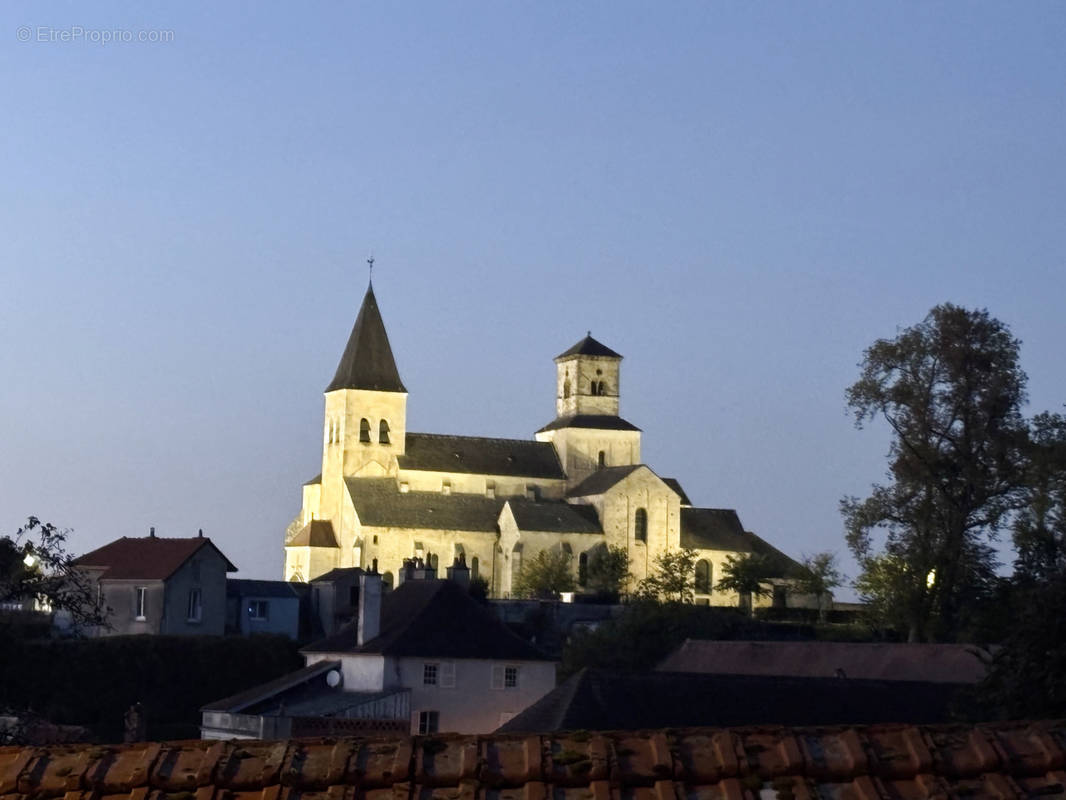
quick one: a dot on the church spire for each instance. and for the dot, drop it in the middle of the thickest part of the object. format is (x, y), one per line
(367, 362)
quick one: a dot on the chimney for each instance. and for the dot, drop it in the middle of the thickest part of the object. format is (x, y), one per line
(369, 606)
(459, 572)
(151, 532)
(201, 533)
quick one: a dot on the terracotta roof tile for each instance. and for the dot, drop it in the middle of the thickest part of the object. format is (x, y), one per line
(1007, 760)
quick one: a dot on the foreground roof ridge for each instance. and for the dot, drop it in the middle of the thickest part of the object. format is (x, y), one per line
(1007, 760)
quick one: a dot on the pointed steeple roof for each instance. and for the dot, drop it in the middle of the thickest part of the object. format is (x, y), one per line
(589, 347)
(367, 362)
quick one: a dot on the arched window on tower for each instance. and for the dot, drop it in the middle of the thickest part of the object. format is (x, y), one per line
(474, 564)
(364, 430)
(566, 388)
(383, 432)
(601, 389)
(592, 387)
(640, 526)
(602, 461)
(703, 577)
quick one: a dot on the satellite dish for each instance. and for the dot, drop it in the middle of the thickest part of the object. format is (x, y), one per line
(333, 678)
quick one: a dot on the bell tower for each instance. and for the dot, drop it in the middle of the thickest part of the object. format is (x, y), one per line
(366, 410)
(587, 431)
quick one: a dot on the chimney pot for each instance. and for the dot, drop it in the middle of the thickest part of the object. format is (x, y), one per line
(151, 531)
(369, 624)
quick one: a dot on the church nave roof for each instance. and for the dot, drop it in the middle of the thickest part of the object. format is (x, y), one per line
(434, 452)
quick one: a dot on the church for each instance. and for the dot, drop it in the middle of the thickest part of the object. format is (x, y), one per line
(386, 494)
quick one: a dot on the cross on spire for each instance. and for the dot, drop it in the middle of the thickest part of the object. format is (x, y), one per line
(370, 261)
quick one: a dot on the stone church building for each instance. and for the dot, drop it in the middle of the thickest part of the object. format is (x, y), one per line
(386, 494)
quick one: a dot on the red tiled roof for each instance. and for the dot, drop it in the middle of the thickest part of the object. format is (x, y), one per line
(1008, 760)
(146, 558)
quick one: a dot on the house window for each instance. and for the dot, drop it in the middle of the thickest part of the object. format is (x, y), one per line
(140, 602)
(428, 722)
(640, 526)
(439, 673)
(195, 610)
(703, 577)
(383, 432)
(259, 610)
(364, 430)
(504, 676)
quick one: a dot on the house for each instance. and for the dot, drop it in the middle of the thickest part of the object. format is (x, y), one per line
(256, 606)
(425, 656)
(884, 661)
(602, 700)
(386, 494)
(999, 760)
(158, 585)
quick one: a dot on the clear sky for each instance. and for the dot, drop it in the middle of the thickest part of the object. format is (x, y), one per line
(739, 197)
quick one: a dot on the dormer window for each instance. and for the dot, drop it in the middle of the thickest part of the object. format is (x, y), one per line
(383, 432)
(364, 430)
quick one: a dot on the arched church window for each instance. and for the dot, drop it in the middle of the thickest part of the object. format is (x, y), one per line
(603, 458)
(432, 560)
(601, 388)
(374, 566)
(474, 564)
(582, 569)
(703, 577)
(383, 432)
(566, 388)
(386, 580)
(364, 430)
(594, 388)
(640, 526)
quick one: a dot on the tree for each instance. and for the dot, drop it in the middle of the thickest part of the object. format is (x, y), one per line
(820, 576)
(545, 576)
(951, 389)
(673, 579)
(608, 570)
(746, 575)
(1040, 527)
(35, 565)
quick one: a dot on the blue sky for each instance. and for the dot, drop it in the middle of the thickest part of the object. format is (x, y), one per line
(738, 197)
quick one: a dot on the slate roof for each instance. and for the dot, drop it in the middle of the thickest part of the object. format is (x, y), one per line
(316, 533)
(437, 619)
(249, 697)
(379, 503)
(554, 516)
(603, 422)
(434, 452)
(599, 700)
(146, 557)
(888, 661)
(675, 484)
(367, 362)
(602, 479)
(247, 587)
(720, 529)
(906, 762)
(337, 573)
(588, 347)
